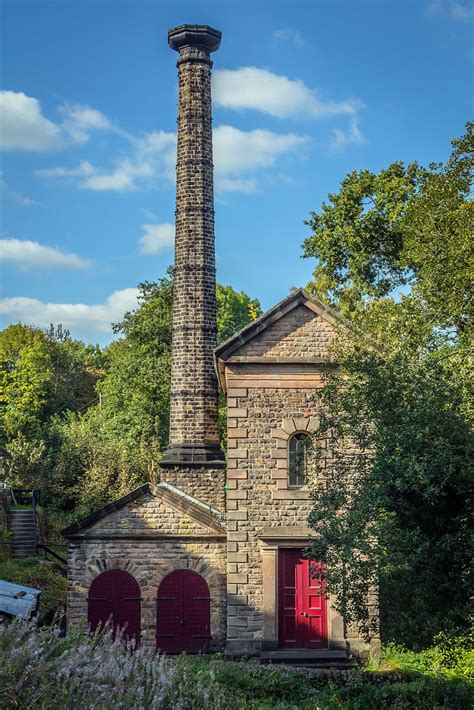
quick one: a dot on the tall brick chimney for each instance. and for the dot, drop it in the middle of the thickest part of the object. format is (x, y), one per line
(194, 435)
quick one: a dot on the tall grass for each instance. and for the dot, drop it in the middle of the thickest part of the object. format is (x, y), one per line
(41, 669)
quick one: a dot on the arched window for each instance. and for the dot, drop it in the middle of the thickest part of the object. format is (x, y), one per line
(298, 450)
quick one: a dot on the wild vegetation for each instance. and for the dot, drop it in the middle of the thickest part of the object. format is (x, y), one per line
(40, 667)
(86, 425)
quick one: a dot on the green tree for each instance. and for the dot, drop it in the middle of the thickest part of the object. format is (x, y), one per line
(26, 372)
(43, 373)
(407, 228)
(135, 393)
(391, 503)
(234, 311)
(94, 457)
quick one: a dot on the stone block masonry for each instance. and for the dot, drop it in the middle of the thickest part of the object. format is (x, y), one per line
(194, 432)
(149, 563)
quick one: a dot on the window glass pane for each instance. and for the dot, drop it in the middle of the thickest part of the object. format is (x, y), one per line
(298, 448)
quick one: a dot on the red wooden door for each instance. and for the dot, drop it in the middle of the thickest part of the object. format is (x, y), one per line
(183, 613)
(115, 595)
(302, 607)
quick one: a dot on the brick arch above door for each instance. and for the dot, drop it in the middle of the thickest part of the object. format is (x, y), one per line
(96, 566)
(214, 580)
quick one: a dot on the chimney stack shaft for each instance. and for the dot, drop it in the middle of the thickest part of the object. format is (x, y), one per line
(194, 434)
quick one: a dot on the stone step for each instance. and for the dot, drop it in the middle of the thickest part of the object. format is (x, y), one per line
(305, 658)
(23, 531)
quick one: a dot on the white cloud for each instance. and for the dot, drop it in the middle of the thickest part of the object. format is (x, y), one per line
(28, 253)
(83, 169)
(156, 237)
(239, 152)
(247, 185)
(24, 127)
(462, 13)
(74, 316)
(236, 152)
(153, 156)
(260, 89)
(455, 10)
(79, 121)
(122, 178)
(289, 35)
(341, 138)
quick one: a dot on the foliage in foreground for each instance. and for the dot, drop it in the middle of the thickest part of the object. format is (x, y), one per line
(41, 669)
(452, 657)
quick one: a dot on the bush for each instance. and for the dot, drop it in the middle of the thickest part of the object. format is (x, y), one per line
(40, 669)
(451, 657)
(4, 545)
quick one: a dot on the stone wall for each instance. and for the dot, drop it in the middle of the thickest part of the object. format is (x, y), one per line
(300, 333)
(148, 515)
(257, 473)
(149, 538)
(205, 484)
(268, 401)
(149, 562)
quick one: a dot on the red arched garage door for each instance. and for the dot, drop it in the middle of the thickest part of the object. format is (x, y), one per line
(183, 614)
(115, 595)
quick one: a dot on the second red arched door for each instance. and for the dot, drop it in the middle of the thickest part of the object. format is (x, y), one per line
(115, 595)
(183, 614)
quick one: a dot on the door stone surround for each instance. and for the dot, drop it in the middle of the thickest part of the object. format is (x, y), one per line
(271, 540)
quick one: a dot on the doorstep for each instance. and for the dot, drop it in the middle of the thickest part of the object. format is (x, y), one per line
(302, 654)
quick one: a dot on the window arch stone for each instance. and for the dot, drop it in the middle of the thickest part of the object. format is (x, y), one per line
(282, 490)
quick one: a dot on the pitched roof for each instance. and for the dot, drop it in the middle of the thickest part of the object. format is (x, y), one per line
(297, 298)
(170, 495)
(300, 297)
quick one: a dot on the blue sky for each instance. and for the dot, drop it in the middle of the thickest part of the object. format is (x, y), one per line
(304, 93)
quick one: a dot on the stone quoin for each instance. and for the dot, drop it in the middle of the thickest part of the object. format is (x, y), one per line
(237, 522)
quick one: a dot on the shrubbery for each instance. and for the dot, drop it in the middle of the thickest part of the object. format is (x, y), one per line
(40, 669)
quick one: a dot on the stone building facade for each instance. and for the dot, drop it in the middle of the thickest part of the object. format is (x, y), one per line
(216, 550)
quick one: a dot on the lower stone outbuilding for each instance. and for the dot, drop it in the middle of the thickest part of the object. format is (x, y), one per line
(154, 534)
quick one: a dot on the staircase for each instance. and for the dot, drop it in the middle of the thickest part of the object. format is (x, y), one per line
(23, 532)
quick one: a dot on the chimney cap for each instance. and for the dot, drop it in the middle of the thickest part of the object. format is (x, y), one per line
(194, 36)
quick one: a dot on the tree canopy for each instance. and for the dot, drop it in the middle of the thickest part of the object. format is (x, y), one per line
(392, 500)
(405, 232)
(86, 425)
